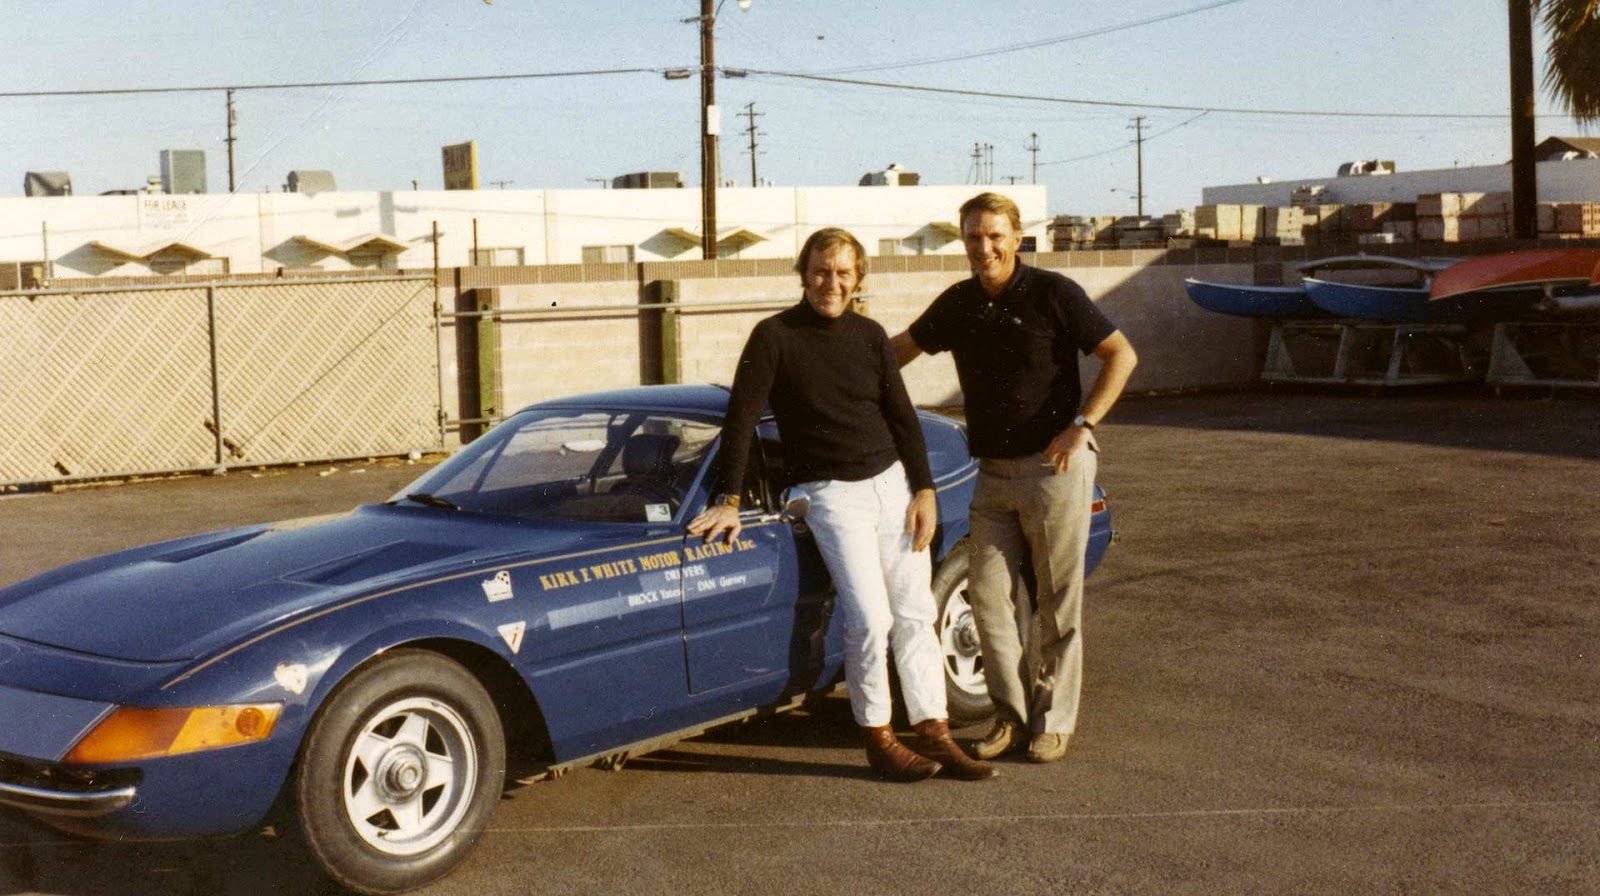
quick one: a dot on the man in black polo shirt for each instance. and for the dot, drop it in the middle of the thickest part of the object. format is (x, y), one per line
(1016, 332)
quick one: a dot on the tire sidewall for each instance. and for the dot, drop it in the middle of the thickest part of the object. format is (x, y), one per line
(319, 773)
(965, 706)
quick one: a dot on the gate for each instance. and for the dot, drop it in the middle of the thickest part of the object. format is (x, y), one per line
(102, 382)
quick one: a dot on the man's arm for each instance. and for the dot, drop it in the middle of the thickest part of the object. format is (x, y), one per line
(1117, 360)
(904, 347)
(752, 383)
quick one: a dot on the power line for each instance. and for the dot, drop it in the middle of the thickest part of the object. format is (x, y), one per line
(1170, 107)
(1033, 45)
(455, 79)
(1121, 147)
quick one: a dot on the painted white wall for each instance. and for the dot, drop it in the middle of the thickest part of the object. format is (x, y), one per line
(1576, 180)
(256, 233)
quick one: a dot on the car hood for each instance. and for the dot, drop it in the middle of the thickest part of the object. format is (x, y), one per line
(183, 599)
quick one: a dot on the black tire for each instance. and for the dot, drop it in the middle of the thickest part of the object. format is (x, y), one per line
(399, 773)
(966, 695)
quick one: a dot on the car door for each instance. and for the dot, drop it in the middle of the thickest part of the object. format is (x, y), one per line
(756, 610)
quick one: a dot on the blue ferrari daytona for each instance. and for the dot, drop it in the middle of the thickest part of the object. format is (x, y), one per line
(365, 676)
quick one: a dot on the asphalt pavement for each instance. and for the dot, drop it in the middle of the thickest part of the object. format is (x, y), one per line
(1345, 643)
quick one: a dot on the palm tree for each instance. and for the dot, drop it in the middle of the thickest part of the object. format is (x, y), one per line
(1572, 64)
(1572, 74)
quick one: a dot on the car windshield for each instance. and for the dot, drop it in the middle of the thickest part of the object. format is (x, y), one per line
(566, 464)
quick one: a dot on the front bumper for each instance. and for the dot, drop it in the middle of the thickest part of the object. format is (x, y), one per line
(51, 790)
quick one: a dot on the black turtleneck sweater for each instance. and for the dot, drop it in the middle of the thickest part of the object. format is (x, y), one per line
(837, 395)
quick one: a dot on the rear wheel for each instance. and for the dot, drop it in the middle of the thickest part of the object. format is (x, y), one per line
(966, 695)
(399, 773)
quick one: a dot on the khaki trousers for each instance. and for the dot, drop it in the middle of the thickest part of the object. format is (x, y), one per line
(1021, 510)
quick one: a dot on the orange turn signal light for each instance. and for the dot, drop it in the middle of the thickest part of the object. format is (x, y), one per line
(131, 733)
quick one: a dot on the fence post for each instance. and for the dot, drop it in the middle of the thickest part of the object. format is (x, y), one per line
(671, 336)
(478, 360)
(216, 380)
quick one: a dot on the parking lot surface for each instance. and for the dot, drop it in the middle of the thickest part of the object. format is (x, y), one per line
(1344, 644)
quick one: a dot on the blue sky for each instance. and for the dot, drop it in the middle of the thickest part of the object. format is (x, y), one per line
(1409, 57)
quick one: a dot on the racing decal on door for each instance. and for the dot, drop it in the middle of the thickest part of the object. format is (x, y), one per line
(512, 633)
(498, 588)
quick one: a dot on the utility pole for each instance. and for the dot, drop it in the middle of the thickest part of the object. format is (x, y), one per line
(1033, 150)
(977, 164)
(1524, 173)
(231, 120)
(709, 129)
(751, 114)
(1138, 157)
(988, 149)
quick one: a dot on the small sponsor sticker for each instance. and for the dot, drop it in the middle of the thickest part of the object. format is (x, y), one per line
(658, 513)
(292, 677)
(512, 633)
(498, 588)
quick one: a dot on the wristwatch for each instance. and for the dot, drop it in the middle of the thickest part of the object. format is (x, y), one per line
(1083, 421)
(726, 501)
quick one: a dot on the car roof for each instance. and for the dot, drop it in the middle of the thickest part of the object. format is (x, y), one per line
(692, 399)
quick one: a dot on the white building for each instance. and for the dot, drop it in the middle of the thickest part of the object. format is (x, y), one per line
(1574, 180)
(133, 235)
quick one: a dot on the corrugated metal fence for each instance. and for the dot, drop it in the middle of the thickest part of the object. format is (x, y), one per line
(98, 382)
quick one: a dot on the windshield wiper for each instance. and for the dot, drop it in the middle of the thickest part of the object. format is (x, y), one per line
(432, 501)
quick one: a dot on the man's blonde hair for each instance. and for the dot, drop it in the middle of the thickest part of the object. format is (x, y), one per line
(826, 239)
(993, 203)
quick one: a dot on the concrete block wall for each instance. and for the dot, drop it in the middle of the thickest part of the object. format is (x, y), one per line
(613, 342)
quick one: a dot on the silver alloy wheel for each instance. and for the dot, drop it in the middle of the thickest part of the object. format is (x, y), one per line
(409, 774)
(958, 636)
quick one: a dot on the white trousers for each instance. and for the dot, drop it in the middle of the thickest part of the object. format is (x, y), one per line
(885, 594)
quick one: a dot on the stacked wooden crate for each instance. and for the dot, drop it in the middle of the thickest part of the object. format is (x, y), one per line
(1323, 225)
(1283, 226)
(1569, 220)
(1227, 221)
(1138, 232)
(1178, 224)
(1463, 217)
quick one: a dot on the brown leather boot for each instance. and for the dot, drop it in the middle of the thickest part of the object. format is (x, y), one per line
(937, 744)
(890, 758)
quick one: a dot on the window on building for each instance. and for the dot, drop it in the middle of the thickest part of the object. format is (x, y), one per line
(187, 264)
(908, 246)
(607, 254)
(502, 256)
(371, 261)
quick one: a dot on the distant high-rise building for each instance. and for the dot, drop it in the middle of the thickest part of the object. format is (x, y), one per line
(183, 170)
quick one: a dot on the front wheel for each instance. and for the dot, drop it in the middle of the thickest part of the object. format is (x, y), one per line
(400, 772)
(966, 694)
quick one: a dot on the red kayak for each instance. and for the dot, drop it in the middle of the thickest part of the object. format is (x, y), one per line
(1534, 267)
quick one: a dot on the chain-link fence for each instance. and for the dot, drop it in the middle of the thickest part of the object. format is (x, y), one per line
(98, 382)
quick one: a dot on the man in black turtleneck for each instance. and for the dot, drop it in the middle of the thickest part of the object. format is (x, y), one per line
(853, 443)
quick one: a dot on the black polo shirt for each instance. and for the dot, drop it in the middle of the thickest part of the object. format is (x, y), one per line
(1016, 356)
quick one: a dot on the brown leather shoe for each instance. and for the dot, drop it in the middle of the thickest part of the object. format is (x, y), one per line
(1004, 737)
(936, 744)
(890, 758)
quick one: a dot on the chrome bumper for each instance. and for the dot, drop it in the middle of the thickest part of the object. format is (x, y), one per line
(66, 803)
